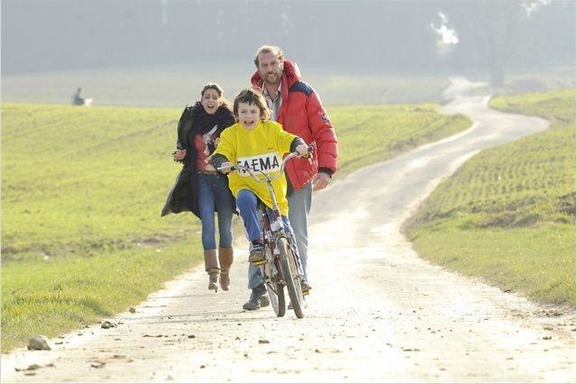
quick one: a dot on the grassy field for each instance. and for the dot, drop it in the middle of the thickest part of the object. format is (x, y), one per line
(82, 190)
(508, 214)
(175, 86)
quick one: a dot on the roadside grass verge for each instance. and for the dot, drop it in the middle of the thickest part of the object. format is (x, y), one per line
(508, 214)
(61, 294)
(82, 190)
(537, 263)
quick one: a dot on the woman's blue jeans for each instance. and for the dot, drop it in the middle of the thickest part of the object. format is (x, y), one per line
(213, 193)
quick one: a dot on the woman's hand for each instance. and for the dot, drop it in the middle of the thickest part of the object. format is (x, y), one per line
(179, 154)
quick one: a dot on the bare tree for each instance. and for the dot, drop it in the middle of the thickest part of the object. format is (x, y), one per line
(492, 29)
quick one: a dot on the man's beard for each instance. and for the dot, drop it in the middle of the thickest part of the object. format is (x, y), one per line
(275, 78)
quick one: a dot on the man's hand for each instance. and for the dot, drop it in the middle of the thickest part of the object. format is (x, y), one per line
(320, 181)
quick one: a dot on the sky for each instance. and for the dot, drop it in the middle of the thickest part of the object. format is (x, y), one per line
(356, 36)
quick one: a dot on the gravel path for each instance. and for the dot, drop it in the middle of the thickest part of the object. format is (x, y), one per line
(377, 313)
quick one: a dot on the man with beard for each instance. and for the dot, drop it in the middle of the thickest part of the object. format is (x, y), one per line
(297, 107)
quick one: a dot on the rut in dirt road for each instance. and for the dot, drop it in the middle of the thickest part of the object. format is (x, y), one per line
(377, 312)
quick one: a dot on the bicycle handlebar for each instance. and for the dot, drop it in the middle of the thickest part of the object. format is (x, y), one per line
(267, 178)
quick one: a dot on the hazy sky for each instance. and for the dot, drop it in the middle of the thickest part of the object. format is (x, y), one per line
(339, 36)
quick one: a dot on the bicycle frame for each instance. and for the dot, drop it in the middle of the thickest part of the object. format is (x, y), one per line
(282, 268)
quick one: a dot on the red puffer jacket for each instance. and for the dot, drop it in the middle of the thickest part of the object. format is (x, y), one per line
(302, 114)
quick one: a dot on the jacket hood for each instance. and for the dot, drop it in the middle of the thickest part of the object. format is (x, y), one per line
(291, 72)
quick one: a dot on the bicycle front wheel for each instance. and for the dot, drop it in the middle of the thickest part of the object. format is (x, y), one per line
(291, 276)
(274, 289)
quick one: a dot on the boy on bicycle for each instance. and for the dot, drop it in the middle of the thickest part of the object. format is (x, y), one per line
(257, 142)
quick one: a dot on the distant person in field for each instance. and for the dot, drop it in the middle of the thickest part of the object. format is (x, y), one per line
(199, 188)
(77, 99)
(298, 108)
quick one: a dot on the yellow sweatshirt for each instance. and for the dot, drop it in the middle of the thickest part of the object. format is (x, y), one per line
(261, 149)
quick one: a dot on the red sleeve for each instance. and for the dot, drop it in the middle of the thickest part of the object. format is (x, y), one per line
(323, 134)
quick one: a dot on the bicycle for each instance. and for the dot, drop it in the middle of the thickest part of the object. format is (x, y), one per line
(282, 268)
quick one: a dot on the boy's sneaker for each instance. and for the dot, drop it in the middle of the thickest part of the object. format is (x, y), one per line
(305, 287)
(256, 256)
(258, 298)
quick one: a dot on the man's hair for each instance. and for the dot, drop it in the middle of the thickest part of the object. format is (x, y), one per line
(269, 49)
(252, 97)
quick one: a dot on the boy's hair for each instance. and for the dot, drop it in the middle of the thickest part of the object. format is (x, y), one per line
(269, 49)
(253, 97)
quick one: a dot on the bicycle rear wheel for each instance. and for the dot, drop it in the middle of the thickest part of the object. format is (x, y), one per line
(291, 276)
(277, 299)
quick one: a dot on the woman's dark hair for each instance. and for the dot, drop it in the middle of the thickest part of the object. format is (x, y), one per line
(253, 97)
(214, 86)
(223, 100)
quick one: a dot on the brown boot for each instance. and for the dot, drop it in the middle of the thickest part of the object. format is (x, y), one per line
(225, 256)
(211, 267)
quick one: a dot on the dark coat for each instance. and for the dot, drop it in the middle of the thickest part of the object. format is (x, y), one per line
(183, 195)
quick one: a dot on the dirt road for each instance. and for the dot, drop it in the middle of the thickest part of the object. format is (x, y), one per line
(377, 313)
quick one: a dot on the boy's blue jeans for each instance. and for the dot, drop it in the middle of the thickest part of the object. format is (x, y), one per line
(213, 192)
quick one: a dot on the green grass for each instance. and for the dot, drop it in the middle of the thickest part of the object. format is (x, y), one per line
(508, 214)
(364, 90)
(58, 295)
(171, 86)
(369, 134)
(82, 190)
(537, 262)
(75, 181)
